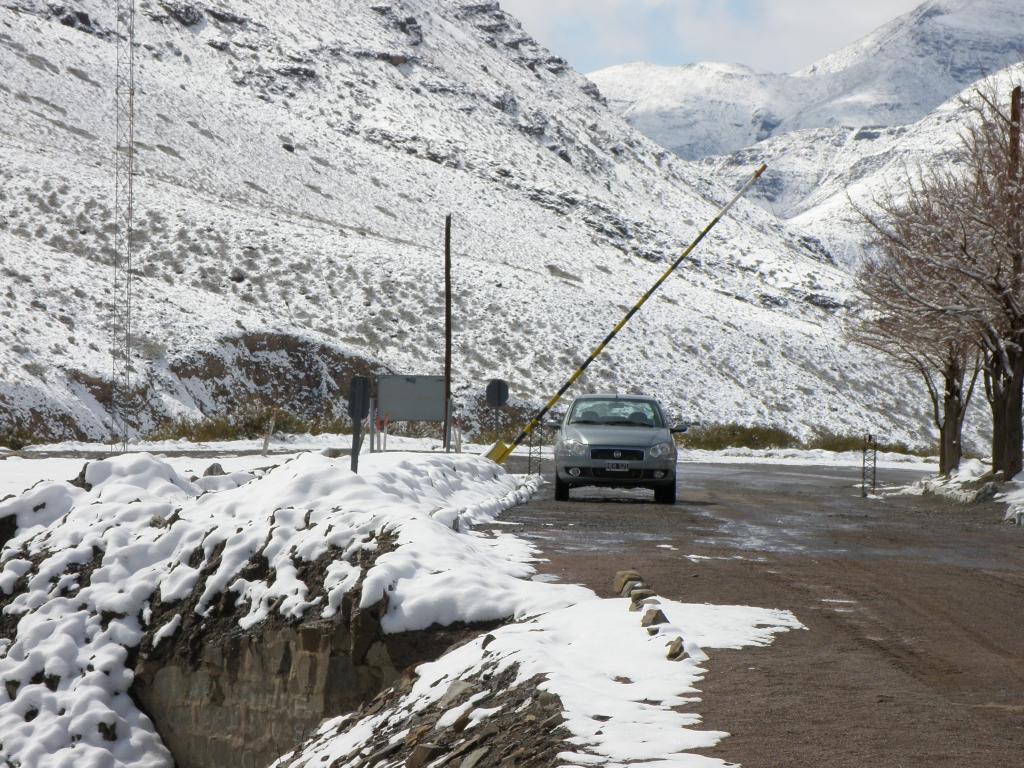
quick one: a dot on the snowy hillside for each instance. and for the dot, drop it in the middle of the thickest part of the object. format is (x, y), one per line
(894, 76)
(295, 166)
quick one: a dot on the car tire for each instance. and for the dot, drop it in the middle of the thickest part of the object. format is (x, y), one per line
(561, 489)
(665, 494)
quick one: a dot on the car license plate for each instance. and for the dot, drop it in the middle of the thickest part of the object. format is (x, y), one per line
(617, 466)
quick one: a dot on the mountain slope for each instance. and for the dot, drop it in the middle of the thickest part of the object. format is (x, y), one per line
(894, 76)
(295, 166)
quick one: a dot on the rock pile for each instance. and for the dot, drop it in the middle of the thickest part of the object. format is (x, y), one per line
(631, 584)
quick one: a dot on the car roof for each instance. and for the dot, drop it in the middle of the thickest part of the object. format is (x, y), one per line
(613, 396)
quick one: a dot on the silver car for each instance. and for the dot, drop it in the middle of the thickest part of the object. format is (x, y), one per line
(620, 441)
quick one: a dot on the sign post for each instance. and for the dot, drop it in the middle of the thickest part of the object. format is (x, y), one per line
(447, 332)
(358, 409)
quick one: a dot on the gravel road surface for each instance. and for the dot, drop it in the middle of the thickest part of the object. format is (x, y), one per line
(914, 654)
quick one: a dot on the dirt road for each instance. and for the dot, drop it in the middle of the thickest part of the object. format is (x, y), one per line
(914, 654)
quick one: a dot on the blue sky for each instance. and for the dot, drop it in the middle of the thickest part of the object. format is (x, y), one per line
(768, 35)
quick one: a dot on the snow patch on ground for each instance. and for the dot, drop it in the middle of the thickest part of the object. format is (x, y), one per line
(18, 473)
(801, 457)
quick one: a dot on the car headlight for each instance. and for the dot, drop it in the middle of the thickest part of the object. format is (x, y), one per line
(572, 448)
(661, 450)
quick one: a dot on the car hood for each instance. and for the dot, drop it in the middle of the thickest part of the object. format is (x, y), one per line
(593, 434)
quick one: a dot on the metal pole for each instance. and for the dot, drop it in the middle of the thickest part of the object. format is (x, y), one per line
(864, 469)
(447, 331)
(874, 467)
(270, 431)
(357, 443)
(500, 451)
(1015, 126)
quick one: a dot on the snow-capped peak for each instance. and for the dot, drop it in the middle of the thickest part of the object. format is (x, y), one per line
(893, 76)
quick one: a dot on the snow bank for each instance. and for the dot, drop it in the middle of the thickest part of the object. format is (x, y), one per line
(964, 486)
(18, 473)
(804, 457)
(280, 442)
(86, 564)
(968, 485)
(971, 474)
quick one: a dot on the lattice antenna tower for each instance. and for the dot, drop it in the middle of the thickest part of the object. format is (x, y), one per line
(124, 214)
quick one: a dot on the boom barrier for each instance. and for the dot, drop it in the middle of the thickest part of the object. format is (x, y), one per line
(500, 451)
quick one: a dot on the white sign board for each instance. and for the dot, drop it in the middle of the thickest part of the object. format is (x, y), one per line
(411, 398)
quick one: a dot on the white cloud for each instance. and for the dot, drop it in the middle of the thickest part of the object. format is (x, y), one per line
(772, 35)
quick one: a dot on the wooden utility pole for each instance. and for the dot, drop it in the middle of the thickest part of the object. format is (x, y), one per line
(124, 215)
(447, 331)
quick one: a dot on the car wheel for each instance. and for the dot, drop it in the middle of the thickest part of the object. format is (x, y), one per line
(561, 489)
(665, 494)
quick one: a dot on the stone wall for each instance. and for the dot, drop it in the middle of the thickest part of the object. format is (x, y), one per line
(221, 697)
(243, 699)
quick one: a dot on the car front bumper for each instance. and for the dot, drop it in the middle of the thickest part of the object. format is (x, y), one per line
(580, 470)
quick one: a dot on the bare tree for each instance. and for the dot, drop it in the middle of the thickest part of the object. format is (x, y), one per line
(994, 208)
(937, 345)
(951, 266)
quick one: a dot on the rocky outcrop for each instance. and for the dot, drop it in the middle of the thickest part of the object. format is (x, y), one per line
(252, 371)
(225, 697)
(527, 732)
(305, 378)
(241, 699)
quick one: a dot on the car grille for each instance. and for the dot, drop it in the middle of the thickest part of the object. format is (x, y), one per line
(625, 454)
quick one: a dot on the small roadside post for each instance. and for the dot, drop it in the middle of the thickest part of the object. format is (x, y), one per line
(358, 409)
(869, 466)
(372, 422)
(270, 431)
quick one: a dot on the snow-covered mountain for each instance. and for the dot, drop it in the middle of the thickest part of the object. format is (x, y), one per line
(296, 162)
(894, 76)
(821, 176)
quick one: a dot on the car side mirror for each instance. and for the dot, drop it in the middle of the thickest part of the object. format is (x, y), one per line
(679, 429)
(553, 423)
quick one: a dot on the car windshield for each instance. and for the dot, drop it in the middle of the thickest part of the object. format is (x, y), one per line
(626, 413)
